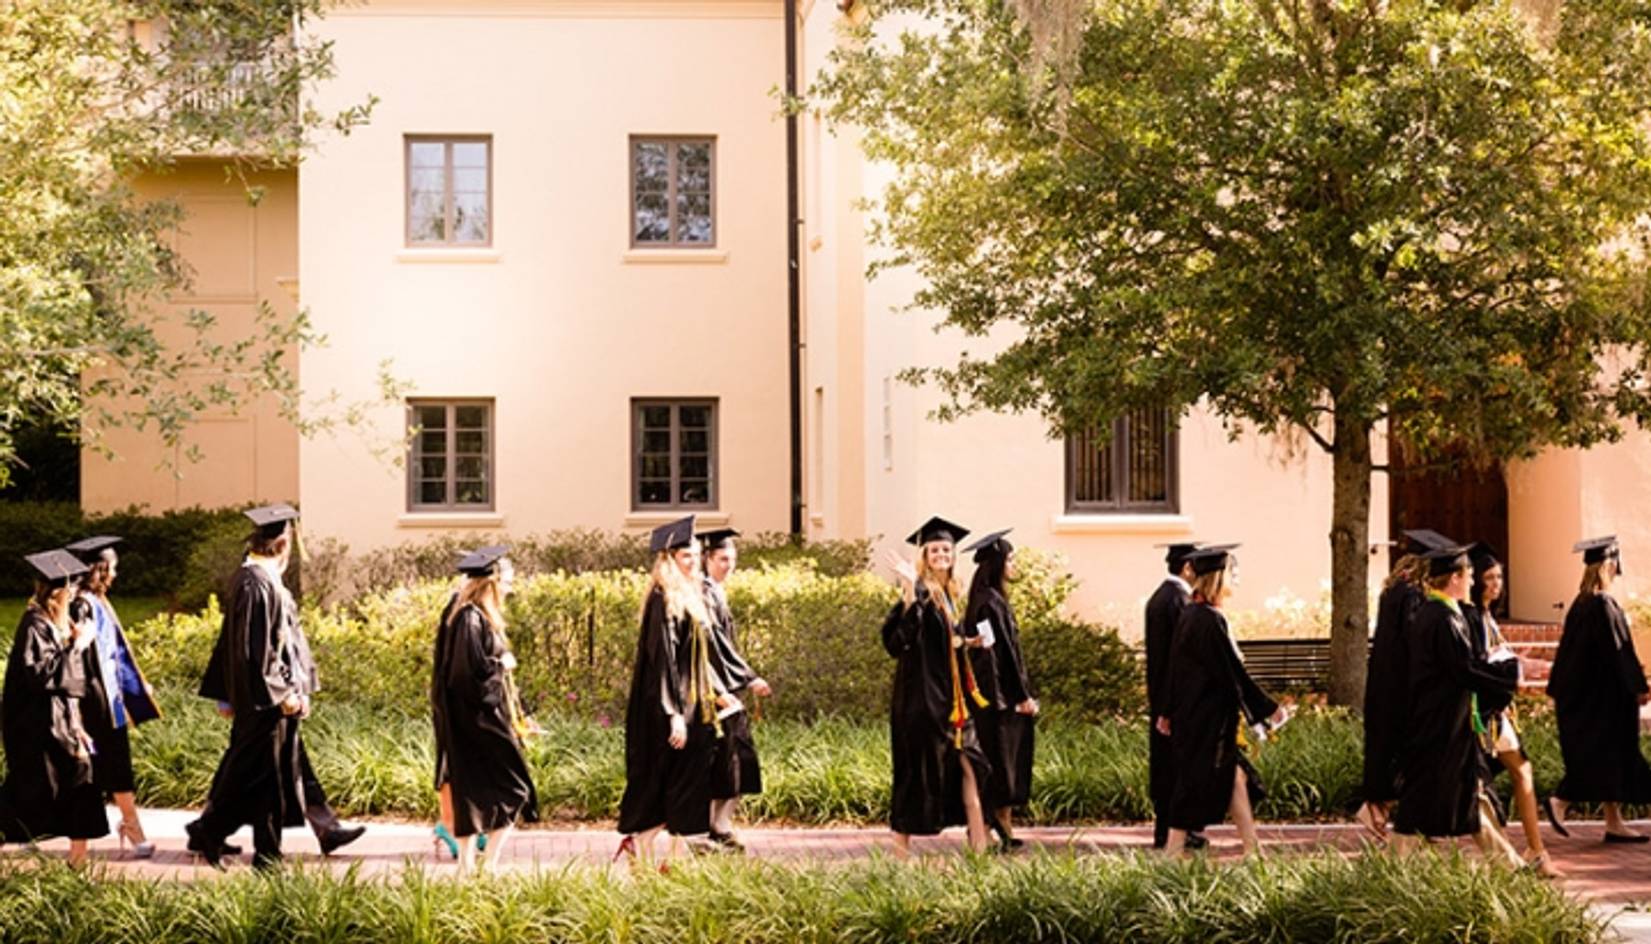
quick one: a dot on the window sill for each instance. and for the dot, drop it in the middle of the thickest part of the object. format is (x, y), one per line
(674, 256)
(483, 255)
(1129, 523)
(450, 519)
(653, 519)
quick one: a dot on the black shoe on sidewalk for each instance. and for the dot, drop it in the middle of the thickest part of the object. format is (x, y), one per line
(340, 837)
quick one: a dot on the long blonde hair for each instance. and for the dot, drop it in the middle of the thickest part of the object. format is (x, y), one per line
(1592, 580)
(1212, 587)
(1411, 569)
(683, 594)
(487, 595)
(53, 602)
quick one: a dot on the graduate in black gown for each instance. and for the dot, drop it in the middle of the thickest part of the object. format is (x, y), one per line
(1501, 738)
(1598, 686)
(129, 701)
(1441, 785)
(49, 789)
(737, 771)
(478, 719)
(1163, 614)
(671, 723)
(262, 675)
(940, 772)
(1006, 723)
(1210, 693)
(1387, 686)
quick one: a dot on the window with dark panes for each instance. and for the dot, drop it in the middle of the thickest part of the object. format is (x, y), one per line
(1132, 470)
(674, 456)
(672, 192)
(449, 191)
(451, 467)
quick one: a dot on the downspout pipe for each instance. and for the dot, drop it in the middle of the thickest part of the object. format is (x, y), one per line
(794, 285)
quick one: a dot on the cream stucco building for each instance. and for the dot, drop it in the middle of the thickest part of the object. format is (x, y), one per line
(566, 226)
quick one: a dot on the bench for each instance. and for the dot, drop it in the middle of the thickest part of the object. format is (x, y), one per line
(1278, 664)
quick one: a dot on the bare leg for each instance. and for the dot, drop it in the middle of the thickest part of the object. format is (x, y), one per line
(1614, 823)
(444, 797)
(467, 855)
(1175, 844)
(1405, 844)
(1005, 818)
(127, 804)
(972, 812)
(495, 847)
(1243, 816)
(902, 846)
(77, 852)
(1524, 797)
(722, 815)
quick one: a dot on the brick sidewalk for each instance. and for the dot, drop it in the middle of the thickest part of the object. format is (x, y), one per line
(1606, 875)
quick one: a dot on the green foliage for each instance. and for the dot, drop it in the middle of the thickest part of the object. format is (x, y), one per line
(1422, 216)
(164, 555)
(90, 103)
(1043, 898)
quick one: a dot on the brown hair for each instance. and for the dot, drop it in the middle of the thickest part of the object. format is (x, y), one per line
(1592, 580)
(53, 602)
(1411, 569)
(98, 580)
(1443, 580)
(1212, 587)
(265, 546)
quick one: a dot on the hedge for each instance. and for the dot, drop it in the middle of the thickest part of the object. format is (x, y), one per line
(177, 555)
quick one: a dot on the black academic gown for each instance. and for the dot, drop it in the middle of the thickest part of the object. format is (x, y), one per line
(737, 770)
(1164, 610)
(1209, 689)
(49, 788)
(260, 659)
(1596, 683)
(665, 786)
(927, 749)
(1387, 691)
(492, 787)
(1441, 770)
(438, 700)
(1006, 735)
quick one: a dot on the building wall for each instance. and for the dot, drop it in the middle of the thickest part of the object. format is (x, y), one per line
(559, 322)
(243, 254)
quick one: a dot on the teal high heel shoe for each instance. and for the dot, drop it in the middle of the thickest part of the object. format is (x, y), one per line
(481, 842)
(443, 837)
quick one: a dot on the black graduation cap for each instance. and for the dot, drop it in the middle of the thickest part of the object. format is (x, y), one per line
(1595, 550)
(90, 549)
(57, 568)
(1422, 540)
(1484, 555)
(669, 537)
(1175, 554)
(987, 541)
(937, 529)
(483, 562)
(1208, 560)
(1447, 560)
(271, 520)
(718, 538)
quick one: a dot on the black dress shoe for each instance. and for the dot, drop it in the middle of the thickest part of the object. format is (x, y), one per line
(1626, 838)
(727, 841)
(336, 839)
(212, 852)
(1548, 808)
(1196, 841)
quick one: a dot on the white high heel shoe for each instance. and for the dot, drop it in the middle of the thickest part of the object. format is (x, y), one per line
(130, 833)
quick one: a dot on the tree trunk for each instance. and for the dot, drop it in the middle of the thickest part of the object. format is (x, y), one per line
(1350, 562)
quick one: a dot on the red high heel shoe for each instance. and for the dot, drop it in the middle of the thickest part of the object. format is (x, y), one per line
(627, 848)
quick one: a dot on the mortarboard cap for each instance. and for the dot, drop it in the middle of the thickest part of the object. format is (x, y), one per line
(1422, 540)
(937, 529)
(1595, 550)
(1208, 560)
(1447, 560)
(988, 541)
(271, 520)
(1175, 554)
(56, 568)
(1484, 555)
(90, 549)
(483, 562)
(718, 538)
(669, 537)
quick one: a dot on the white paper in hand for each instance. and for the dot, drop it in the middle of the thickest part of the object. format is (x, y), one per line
(733, 707)
(984, 629)
(1501, 654)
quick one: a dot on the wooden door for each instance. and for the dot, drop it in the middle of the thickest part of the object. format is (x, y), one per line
(1457, 498)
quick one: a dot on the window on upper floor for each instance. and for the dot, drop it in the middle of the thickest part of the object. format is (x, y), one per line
(1135, 470)
(673, 454)
(450, 466)
(449, 190)
(673, 192)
